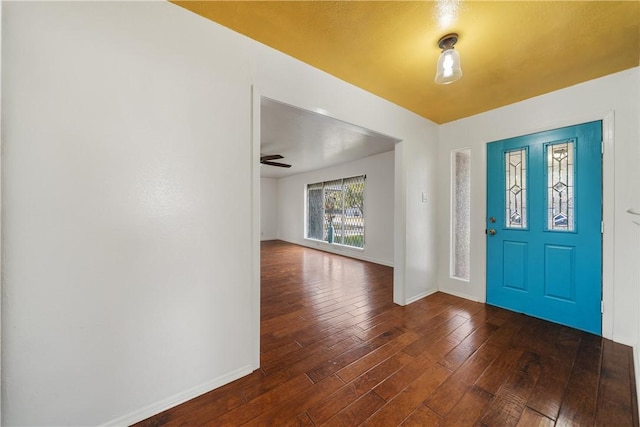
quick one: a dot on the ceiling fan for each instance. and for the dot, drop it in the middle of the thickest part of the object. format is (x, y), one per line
(267, 160)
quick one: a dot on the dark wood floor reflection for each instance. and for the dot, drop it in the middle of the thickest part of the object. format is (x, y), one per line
(337, 352)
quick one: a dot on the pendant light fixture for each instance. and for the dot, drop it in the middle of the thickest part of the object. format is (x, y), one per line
(448, 69)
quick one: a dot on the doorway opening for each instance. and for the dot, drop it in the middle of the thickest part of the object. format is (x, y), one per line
(319, 148)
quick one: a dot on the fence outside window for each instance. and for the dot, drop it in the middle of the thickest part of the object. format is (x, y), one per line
(335, 211)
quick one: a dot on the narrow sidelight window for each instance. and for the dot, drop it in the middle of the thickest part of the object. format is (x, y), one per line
(461, 214)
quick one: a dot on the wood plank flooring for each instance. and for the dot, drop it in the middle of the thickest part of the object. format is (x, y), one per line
(336, 351)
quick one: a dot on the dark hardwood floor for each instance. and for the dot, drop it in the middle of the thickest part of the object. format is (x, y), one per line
(336, 351)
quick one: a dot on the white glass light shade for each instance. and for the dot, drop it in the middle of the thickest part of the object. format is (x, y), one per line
(448, 69)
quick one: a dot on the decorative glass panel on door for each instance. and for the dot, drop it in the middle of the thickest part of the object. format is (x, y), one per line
(560, 186)
(516, 188)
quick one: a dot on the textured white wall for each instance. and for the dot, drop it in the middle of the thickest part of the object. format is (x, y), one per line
(419, 167)
(125, 231)
(636, 220)
(126, 238)
(612, 97)
(1, 201)
(268, 209)
(379, 189)
(127, 197)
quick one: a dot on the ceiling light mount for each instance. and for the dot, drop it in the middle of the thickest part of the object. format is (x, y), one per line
(447, 42)
(448, 69)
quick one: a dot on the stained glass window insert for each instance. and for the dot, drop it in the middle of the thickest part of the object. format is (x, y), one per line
(560, 186)
(516, 188)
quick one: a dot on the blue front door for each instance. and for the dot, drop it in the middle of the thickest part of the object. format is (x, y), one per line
(544, 216)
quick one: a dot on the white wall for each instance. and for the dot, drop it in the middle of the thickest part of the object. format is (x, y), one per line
(416, 261)
(268, 209)
(123, 283)
(378, 202)
(636, 220)
(1, 252)
(129, 204)
(612, 98)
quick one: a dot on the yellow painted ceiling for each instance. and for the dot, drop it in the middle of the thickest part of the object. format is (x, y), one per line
(510, 50)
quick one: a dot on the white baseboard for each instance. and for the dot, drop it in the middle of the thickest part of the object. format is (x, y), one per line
(636, 370)
(460, 295)
(339, 250)
(170, 402)
(420, 296)
(623, 340)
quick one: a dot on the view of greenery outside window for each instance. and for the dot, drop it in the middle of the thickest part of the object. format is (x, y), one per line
(335, 211)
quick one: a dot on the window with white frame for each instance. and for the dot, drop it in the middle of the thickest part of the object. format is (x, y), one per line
(335, 211)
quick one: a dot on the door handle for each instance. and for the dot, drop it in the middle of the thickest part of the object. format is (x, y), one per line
(491, 231)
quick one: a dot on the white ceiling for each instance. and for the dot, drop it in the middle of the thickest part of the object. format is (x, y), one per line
(310, 141)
